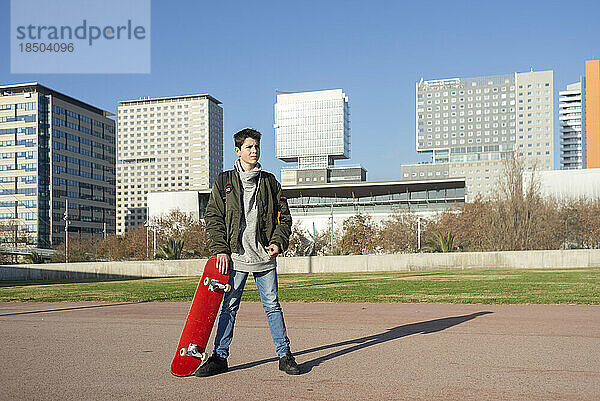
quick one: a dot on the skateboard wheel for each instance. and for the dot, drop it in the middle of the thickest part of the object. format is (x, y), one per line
(206, 281)
(183, 352)
(227, 288)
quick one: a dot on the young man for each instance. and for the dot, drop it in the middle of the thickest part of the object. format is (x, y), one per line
(249, 224)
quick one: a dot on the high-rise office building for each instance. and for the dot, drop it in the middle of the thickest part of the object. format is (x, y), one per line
(570, 116)
(54, 150)
(312, 129)
(579, 116)
(470, 125)
(165, 144)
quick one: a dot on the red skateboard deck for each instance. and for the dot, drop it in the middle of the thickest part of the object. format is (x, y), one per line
(191, 350)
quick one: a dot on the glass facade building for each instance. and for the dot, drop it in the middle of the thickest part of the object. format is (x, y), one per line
(53, 148)
(312, 128)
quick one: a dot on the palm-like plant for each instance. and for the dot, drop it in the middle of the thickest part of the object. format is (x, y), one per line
(171, 250)
(337, 251)
(441, 241)
(33, 258)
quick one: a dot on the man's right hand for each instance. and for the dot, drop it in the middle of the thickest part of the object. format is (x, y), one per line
(223, 260)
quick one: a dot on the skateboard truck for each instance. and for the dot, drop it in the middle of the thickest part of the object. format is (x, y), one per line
(192, 350)
(216, 285)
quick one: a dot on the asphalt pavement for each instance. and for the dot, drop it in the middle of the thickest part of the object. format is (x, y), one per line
(122, 351)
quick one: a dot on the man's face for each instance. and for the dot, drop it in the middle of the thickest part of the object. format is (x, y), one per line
(250, 151)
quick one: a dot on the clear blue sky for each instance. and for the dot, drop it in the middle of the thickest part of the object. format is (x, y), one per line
(240, 52)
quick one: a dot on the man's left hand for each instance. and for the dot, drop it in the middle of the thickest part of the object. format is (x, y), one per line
(272, 250)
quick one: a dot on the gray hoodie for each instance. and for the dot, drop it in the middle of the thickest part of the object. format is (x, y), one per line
(252, 256)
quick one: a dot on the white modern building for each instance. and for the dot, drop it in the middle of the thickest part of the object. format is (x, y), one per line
(161, 204)
(570, 115)
(324, 205)
(565, 185)
(470, 125)
(312, 129)
(165, 144)
(320, 206)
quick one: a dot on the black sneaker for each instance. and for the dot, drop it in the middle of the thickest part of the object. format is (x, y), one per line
(288, 364)
(213, 366)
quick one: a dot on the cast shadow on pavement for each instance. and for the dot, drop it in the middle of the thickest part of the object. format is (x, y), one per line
(72, 308)
(426, 327)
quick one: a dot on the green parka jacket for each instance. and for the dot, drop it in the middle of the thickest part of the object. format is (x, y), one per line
(224, 213)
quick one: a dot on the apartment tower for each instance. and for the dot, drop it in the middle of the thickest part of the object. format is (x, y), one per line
(469, 126)
(571, 117)
(165, 144)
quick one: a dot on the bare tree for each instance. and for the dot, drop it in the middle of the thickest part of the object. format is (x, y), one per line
(589, 216)
(12, 235)
(515, 210)
(82, 248)
(300, 241)
(328, 243)
(399, 233)
(359, 235)
(187, 228)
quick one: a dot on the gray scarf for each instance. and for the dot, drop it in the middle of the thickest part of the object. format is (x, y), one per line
(251, 256)
(248, 177)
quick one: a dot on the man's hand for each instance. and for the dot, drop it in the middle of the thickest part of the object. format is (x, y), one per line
(223, 263)
(272, 250)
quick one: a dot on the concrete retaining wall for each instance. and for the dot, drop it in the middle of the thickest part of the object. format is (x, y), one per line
(317, 264)
(436, 261)
(95, 270)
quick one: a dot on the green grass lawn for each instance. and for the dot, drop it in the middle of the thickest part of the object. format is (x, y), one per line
(575, 286)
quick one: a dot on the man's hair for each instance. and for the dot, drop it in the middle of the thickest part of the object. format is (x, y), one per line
(241, 136)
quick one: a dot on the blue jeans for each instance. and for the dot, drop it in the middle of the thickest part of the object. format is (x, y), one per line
(266, 282)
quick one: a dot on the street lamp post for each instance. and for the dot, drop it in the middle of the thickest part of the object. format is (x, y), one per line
(419, 232)
(154, 228)
(66, 218)
(147, 225)
(154, 243)
(331, 236)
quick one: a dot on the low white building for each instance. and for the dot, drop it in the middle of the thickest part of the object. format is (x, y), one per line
(188, 202)
(568, 184)
(322, 205)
